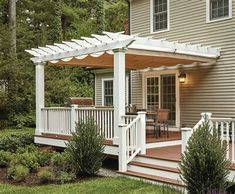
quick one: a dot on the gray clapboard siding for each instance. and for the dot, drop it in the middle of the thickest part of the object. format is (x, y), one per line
(207, 89)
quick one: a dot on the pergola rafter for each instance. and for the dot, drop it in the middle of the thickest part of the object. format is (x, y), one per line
(97, 45)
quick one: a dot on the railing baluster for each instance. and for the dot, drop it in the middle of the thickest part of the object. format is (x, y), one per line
(227, 138)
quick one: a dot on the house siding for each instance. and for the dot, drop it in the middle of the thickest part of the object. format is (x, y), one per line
(208, 89)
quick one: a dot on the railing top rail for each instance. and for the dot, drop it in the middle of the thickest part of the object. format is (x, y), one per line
(94, 108)
(56, 108)
(132, 122)
(129, 116)
(222, 119)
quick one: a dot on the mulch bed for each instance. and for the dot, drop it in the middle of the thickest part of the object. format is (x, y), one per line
(33, 180)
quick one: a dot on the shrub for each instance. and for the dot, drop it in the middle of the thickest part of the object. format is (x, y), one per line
(22, 120)
(85, 149)
(46, 175)
(60, 162)
(66, 177)
(13, 142)
(18, 172)
(44, 158)
(30, 149)
(26, 159)
(5, 158)
(204, 165)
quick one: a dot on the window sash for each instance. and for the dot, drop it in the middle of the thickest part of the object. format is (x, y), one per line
(160, 15)
(219, 9)
(108, 92)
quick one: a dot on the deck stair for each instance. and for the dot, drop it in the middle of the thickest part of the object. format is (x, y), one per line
(160, 170)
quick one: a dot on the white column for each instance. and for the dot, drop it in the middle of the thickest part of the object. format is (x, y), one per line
(119, 90)
(186, 133)
(122, 156)
(73, 117)
(142, 132)
(39, 69)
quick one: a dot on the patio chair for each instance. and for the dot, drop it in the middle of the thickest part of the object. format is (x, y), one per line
(161, 120)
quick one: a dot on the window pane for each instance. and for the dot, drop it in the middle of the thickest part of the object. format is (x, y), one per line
(108, 93)
(219, 9)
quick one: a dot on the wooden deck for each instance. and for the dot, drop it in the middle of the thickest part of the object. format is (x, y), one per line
(167, 153)
(173, 135)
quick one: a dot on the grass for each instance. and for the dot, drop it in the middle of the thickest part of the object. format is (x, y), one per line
(4, 132)
(96, 186)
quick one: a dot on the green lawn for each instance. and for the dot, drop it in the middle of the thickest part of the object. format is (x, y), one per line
(101, 185)
(16, 131)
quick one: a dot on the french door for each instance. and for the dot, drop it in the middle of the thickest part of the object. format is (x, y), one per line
(161, 93)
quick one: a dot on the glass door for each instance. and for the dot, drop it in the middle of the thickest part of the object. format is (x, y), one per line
(152, 98)
(161, 93)
(168, 96)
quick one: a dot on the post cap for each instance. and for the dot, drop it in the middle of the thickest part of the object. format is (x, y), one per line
(186, 129)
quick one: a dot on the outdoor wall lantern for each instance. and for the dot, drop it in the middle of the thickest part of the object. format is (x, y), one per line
(182, 77)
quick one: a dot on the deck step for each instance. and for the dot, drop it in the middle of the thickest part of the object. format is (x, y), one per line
(156, 167)
(153, 169)
(157, 161)
(154, 178)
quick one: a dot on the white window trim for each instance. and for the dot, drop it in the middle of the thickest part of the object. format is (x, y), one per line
(177, 85)
(103, 80)
(151, 18)
(219, 19)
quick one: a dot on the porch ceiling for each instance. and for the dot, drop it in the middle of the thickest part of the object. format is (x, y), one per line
(133, 61)
(141, 52)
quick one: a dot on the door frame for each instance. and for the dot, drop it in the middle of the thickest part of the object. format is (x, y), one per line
(156, 73)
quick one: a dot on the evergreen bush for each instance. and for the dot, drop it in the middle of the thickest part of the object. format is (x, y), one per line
(86, 149)
(204, 165)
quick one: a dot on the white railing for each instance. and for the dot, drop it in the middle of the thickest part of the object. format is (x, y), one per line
(226, 130)
(132, 133)
(102, 116)
(133, 139)
(63, 121)
(128, 118)
(56, 120)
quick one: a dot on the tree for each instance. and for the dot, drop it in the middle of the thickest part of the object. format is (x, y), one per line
(12, 25)
(204, 165)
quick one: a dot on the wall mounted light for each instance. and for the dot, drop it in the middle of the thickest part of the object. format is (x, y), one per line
(182, 77)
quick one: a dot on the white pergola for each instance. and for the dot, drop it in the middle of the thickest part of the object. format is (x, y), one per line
(119, 51)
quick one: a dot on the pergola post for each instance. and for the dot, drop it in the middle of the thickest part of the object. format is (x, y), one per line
(119, 91)
(39, 70)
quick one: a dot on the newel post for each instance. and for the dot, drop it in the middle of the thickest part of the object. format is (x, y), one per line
(39, 75)
(122, 152)
(73, 117)
(142, 132)
(186, 133)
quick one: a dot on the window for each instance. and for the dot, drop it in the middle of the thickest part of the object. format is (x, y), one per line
(160, 15)
(219, 9)
(108, 92)
(152, 94)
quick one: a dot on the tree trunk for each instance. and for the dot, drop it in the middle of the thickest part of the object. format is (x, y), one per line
(12, 26)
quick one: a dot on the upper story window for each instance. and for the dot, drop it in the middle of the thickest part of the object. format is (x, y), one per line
(219, 10)
(108, 92)
(160, 16)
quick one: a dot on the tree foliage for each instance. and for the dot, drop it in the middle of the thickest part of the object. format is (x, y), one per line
(204, 165)
(42, 22)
